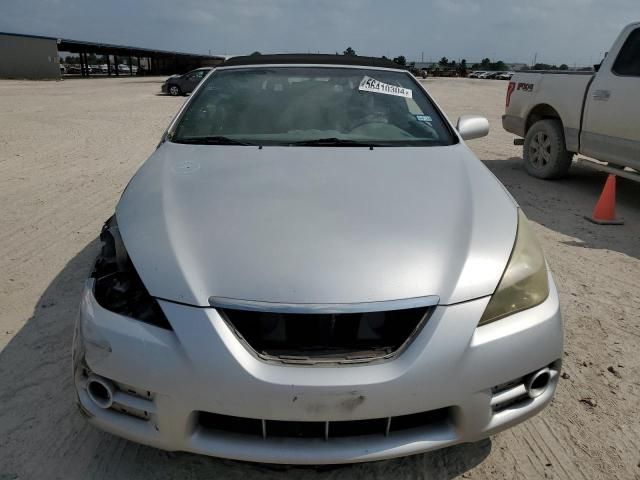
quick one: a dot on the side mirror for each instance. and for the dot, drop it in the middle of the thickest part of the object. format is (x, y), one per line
(472, 126)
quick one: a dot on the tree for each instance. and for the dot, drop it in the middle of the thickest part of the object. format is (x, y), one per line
(462, 68)
(401, 60)
(255, 53)
(564, 66)
(349, 52)
(499, 66)
(485, 63)
(444, 62)
(544, 66)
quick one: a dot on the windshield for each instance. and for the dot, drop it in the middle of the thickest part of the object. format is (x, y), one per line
(312, 106)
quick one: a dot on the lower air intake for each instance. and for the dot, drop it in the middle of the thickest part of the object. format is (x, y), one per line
(213, 422)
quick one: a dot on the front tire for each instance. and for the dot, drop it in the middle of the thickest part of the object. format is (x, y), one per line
(545, 152)
(174, 90)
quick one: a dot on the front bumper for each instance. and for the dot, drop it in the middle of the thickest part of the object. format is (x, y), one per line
(168, 376)
(164, 88)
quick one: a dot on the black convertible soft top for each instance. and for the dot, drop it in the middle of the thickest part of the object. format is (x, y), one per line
(312, 59)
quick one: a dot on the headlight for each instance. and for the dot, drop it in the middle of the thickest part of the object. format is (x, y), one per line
(524, 283)
(118, 287)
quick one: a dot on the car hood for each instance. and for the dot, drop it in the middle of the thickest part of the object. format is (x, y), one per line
(316, 225)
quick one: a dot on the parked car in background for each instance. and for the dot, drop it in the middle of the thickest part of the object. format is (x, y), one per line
(182, 84)
(417, 72)
(313, 268)
(562, 113)
(122, 68)
(476, 74)
(485, 75)
(504, 76)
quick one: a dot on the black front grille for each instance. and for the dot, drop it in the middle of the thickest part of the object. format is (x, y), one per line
(282, 428)
(214, 422)
(314, 337)
(353, 428)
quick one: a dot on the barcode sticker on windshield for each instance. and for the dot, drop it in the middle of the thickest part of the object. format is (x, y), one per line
(369, 84)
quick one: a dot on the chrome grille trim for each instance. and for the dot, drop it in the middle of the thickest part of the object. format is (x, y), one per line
(327, 308)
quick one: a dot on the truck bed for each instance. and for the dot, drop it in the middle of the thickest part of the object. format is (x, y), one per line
(536, 94)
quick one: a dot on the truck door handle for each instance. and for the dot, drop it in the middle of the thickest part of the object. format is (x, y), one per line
(602, 95)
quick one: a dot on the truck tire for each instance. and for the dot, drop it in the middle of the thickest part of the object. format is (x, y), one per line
(545, 152)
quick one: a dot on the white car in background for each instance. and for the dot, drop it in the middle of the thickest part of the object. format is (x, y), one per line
(504, 76)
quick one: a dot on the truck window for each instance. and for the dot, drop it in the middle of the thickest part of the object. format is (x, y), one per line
(628, 61)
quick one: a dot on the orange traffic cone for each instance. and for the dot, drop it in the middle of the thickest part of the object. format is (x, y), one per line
(605, 211)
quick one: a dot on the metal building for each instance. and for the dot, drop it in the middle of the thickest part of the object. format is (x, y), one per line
(28, 56)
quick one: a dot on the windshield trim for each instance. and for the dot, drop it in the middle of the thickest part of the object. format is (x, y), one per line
(455, 138)
(309, 65)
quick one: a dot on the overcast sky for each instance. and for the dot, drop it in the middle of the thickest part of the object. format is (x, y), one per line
(559, 31)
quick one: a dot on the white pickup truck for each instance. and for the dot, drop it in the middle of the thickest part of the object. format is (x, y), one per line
(560, 114)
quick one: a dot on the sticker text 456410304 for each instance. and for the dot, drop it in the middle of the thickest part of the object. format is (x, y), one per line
(369, 84)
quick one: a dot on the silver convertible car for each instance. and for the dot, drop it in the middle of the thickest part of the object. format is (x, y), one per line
(313, 268)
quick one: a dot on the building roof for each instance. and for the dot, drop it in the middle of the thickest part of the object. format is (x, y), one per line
(76, 46)
(311, 59)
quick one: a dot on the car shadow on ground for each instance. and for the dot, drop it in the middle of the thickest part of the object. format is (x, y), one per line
(561, 205)
(42, 434)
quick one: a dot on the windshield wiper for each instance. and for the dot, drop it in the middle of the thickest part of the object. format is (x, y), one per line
(332, 141)
(210, 140)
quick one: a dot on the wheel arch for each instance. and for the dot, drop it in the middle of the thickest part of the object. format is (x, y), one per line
(542, 111)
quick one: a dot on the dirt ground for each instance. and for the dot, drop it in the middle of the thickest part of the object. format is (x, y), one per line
(68, 148)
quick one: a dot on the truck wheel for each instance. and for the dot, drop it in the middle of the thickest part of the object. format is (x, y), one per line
(545, 152)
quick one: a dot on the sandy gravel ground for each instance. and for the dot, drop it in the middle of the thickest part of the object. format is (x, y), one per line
(67, 150)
